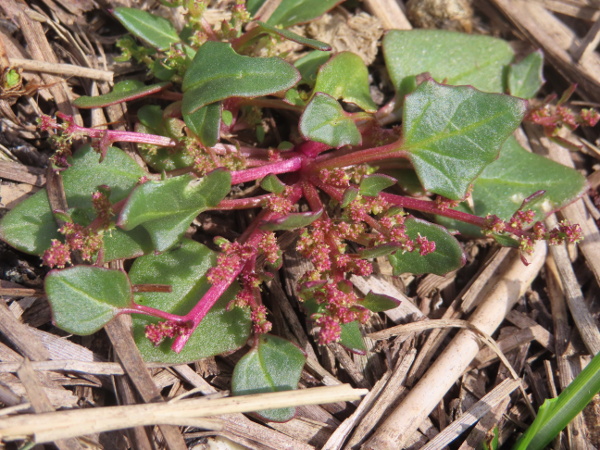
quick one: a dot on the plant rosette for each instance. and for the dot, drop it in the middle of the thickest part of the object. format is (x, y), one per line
(353, 180)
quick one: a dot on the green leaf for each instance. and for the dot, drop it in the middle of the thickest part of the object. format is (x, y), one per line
(351, 337)
(324, 120)
(85, 298)
(184, 269)
(379, 302)
(292, 221)
(292, 12)
(452, 133)
(271, 183)
(345, 77)
(205, 123)
(166, 208)
(11, 78)
(350, 195)
(217, 72)
(309, 65)
(513, 177)
(273, 365)
(555, 414)
(448, 254)
(154, 30)
(30, 226)
(121, 244)
(131, 92)
(525, 78)
(291, 36)
(372, 185)
(450, 57)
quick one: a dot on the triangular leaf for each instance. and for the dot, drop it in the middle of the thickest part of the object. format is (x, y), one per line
(273, 365)
(372, 185)
(184, 268)
(452, 133)
(205, 123)
(324, 120)
(345, 77)
(379, 302)
(292, 221)
(351, 337)
(85, 298)
(217, 72)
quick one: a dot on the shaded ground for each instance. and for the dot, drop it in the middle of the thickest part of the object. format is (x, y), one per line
(547, 337)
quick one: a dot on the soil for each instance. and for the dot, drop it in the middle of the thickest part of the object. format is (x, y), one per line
(422, 390)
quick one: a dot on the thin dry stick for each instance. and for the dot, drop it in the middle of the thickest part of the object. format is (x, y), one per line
(457, 356)
(49, 427)
(582, 316)
(69, 70)
(473, 414)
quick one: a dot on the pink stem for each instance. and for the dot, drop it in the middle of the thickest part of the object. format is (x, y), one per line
(136, 308)
(256, 173)
(208, 300)
(431, 208)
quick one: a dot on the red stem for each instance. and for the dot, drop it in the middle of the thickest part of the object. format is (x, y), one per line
(252, 238)
(369, 155)
(289, 165)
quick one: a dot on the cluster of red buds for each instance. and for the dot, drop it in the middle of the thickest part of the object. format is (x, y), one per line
(86, 240)
(553, 117)
(519, 227)
(158, 332)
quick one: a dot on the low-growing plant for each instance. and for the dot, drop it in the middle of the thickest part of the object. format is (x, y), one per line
(349, 179)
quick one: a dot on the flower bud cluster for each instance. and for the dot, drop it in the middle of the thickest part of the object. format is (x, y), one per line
(158, 332)
(78, 238)
(526, 238)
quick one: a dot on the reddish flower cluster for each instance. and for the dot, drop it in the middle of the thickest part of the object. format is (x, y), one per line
(340, 305)
(554, 117)
(517, 224)
(231, 256)
(280, 203)
(103, 207)
(77, 238)
(158, 332)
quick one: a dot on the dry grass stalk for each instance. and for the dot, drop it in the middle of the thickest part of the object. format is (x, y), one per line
(69, 70)
(49, 427)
